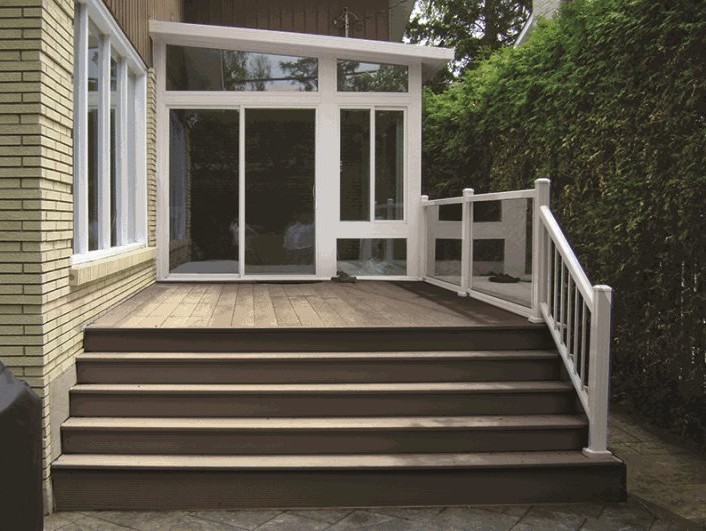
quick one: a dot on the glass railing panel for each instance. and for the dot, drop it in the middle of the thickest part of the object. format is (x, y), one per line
(502, 249)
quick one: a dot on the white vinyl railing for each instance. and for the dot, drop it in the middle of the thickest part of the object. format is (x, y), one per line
(559, 292)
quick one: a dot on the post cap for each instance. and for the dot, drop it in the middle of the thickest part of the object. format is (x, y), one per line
(602, 288)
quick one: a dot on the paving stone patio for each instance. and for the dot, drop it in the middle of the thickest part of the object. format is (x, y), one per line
(666, 486)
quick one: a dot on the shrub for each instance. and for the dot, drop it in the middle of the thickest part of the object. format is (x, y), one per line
(609, 100)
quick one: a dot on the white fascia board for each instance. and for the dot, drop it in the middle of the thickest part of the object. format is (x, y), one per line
(431, 58)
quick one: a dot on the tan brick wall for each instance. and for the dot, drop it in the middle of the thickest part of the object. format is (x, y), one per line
(41, 314)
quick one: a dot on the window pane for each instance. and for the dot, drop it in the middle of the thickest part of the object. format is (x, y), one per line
(354, 76)
(389, 165)
(114, 113)
(203, 191)
(93, 63)
(209, 69)
(372, 257)
(131, 163)
(355, 165)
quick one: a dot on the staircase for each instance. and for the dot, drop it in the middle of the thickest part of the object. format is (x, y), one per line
(231, 418)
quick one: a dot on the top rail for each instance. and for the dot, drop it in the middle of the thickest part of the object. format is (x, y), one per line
(500, 196)
(567, 254)
(445, 201)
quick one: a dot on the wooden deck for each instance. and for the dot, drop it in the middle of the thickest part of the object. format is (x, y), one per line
(312, 305)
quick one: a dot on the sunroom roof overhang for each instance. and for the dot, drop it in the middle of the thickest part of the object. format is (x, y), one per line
(431, 58)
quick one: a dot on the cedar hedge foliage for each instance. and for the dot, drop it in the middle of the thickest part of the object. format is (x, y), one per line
(609, 100)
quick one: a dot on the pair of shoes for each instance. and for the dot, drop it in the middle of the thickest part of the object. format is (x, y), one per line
(502, 278)
(343, 277)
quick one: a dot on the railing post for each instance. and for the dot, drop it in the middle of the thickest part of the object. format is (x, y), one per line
(466, 242)
(423, 232)
(539, 254)
(599, 373)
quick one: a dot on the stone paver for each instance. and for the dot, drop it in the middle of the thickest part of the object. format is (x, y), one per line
(662, 470)
(666, 486)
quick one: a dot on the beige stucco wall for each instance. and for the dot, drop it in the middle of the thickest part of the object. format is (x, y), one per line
(42, 310)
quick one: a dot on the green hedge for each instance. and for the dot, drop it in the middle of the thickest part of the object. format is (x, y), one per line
(609, 100)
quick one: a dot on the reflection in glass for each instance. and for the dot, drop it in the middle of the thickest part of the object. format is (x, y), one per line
(356, 76)
(93, 64)
(218, 70)
(279, 191)
(372, 257)
(502, 250)
(203, 191)
(114, 113)
(389, 165)
(355, 165)
(131, 162)
(447, 261)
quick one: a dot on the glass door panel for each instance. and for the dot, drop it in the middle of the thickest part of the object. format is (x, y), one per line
(203, 191)
(279, 191)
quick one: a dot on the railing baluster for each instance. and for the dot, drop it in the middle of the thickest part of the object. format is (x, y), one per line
(584, 357)
(555, 298)
(562, 302)
(549, 271)
(575, 339)
(569, 320)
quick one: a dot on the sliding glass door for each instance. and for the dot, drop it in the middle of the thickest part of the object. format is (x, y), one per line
(279, 191)
(277, 224)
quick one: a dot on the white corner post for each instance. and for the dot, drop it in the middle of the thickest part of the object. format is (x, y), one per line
(81, 131)
(423, 228)
(599, 373)
(466, 241)
(539, 253)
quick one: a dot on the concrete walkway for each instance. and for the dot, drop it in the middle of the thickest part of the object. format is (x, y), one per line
(666, 486)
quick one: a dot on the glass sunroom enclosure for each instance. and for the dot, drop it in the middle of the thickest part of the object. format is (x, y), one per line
(287, 156)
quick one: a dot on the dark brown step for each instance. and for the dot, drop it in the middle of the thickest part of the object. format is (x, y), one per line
(209, 436)
(482, 337)
(128, 482)
(322, 400)
(317, 367)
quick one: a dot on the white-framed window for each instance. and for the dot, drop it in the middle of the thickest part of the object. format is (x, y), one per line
(372, 176)
(110, 169)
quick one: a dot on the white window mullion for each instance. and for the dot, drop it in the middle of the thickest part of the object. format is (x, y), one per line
(104, 191)
(241, 192)
(122, 161)
(372, 164)
(80, 191)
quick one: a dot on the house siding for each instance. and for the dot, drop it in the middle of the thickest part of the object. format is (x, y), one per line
(42, 311)
(133, 16)
(302, 16)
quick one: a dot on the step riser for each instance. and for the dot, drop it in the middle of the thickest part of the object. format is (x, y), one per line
(342, 404)
(176, 442)
(89, 490)
(315, 340)
(355, 371)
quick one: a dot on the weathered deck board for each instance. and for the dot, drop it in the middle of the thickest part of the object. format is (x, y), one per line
(314, 304)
